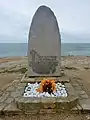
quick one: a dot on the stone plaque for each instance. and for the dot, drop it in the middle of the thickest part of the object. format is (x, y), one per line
(44, 44)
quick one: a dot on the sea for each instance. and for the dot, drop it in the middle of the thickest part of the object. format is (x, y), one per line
(20, 49)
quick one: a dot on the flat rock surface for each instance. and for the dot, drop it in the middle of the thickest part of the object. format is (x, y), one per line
(85, 104)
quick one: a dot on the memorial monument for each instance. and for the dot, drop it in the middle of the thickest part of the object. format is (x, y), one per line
(44, 44)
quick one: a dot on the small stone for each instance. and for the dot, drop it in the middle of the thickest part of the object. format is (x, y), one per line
(29, 84)
(28, 88)
(63, 85)
(65, 95)
(52, 95)
(25, 95)
(47, 94)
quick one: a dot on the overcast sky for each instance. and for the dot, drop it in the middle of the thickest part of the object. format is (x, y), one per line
(73, 18)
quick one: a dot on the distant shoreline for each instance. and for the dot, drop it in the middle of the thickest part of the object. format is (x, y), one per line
(20, 49)
(17, 58)
(61, 43)
(61, 56)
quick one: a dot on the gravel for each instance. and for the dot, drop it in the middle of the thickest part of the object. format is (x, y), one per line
(30, 91)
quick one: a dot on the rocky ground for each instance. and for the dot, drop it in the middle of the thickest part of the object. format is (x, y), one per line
(77, 67)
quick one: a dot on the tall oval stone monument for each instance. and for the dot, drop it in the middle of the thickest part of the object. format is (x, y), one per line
(44, 44)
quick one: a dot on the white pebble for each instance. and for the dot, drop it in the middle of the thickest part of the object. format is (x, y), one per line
(63, 85)
(30, 91)
(47, 94)
(52, 95)
(25, 94)
(29, 84)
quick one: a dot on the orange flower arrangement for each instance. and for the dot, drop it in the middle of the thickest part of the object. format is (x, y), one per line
(47, 86)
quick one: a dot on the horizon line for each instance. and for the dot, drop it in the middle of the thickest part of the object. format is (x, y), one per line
(27, 42)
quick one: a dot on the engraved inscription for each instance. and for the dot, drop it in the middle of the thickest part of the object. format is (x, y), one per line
(43, 64)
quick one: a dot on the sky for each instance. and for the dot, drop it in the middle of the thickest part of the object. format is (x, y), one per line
(73, 18)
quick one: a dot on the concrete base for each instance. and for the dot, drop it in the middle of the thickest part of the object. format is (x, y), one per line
(26, 79)
(12, 104)
(37, 105)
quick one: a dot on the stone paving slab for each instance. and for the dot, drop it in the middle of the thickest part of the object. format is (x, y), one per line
(4, 97)
(6, 86)
(17, 93)
(13, 83)
(79, 107)
(10, 88)
(11, 109)
(78, 89)
(2, 106)
(85, 105)
(76, 109)
(9, 100)
(84, 102)
(70, 89)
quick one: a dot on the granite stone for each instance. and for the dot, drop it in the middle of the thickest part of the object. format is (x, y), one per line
(44, 44)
